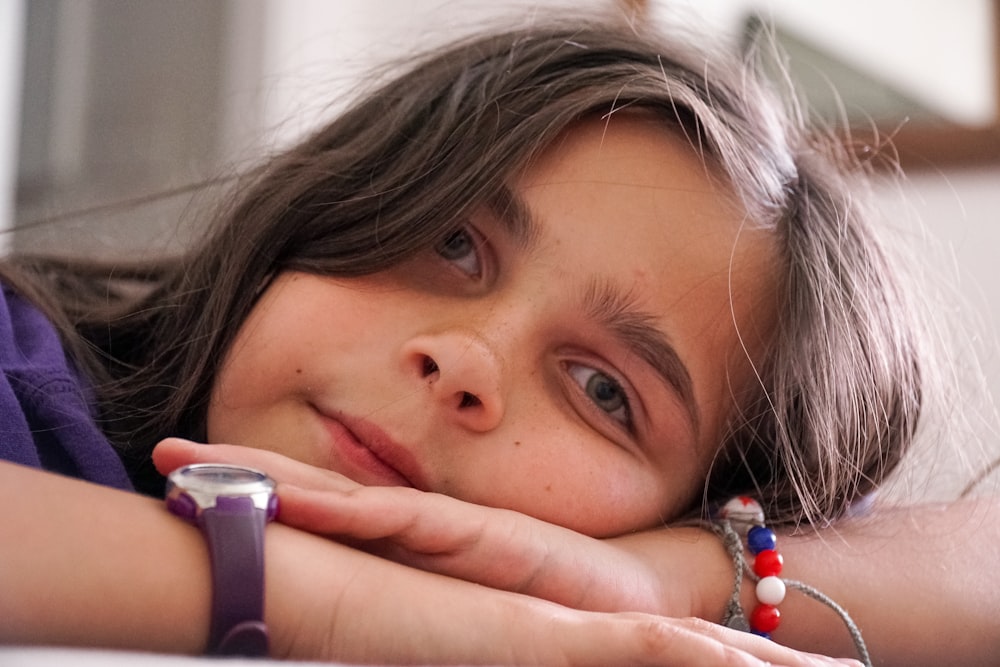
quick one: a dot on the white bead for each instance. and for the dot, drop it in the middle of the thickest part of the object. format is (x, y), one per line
(743, 512)
(770, 590)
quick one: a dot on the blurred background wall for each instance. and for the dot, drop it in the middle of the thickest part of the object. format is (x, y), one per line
(111, 101)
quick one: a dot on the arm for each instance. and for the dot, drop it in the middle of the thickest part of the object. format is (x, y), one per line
(921, 582)
(84, 565)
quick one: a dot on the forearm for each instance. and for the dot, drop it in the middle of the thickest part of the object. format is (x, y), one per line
(84, 565)
(921, 583)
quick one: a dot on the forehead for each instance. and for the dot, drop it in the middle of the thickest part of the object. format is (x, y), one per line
(626, 202)
(630, 186)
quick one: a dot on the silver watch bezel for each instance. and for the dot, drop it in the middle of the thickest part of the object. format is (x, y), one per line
(205, 482)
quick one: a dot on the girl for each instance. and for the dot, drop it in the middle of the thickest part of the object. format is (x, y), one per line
(580, 276)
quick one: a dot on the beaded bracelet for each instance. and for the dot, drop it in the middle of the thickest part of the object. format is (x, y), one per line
(747, 517)
(741, 518)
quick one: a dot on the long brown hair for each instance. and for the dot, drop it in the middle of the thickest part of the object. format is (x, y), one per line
(839, 392)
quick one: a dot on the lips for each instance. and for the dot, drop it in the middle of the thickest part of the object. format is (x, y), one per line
(365, 453)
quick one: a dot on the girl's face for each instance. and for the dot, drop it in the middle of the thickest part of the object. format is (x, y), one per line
(569, 353)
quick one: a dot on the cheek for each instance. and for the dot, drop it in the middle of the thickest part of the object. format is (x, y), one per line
(609, 502)
(574, 480)
(243, 384)
(261, 356)
(266, 361)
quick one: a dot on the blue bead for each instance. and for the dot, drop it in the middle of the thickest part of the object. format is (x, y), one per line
(765, 635)
(760, 538)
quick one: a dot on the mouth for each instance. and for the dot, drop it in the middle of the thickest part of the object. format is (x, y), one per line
(366, 454)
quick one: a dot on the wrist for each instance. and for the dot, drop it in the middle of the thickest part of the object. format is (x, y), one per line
(327, 601)
(691, 574)
(717, 579)
(231, 506)
(293, 583)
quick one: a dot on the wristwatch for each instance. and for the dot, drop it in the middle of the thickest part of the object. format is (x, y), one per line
(231, 505)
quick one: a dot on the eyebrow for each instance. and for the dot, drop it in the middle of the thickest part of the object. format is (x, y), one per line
(610, 307)
(513, 213)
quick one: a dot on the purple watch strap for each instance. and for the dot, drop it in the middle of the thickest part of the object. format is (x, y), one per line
(234, 530)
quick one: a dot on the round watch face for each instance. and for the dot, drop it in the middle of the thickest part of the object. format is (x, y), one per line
(204, 483)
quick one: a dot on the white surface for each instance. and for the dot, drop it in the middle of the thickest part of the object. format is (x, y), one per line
(952, 221)
(316, 54)
(16, 656)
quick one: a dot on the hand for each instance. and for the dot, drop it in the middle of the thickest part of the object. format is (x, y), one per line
(348, 606)
(172, 453)
(497, 548)
(543, 634)
(494, 547)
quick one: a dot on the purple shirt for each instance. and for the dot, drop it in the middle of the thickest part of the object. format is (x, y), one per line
(46, 407)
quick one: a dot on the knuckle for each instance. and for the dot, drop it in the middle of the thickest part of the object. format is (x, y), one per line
(655, 636)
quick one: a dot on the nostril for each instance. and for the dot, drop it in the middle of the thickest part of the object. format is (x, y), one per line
(429, 367)
(469, 400)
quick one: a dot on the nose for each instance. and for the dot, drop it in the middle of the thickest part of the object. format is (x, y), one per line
(463, 375)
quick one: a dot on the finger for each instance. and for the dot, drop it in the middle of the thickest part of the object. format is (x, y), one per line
(648, 640)
(423, 522)
(426, 530)
(173, 453)
(494, 547)
(721, 639)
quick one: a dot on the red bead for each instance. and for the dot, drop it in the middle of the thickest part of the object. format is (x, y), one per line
(768, 563)
(765, 618)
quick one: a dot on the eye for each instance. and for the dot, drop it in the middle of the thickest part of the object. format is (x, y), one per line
(460, 247)
(604, 391)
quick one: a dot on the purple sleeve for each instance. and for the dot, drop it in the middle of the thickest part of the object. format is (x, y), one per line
(46, 417)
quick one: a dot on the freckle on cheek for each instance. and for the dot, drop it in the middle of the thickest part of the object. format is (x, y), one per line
(517, 443)
(298, 371)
